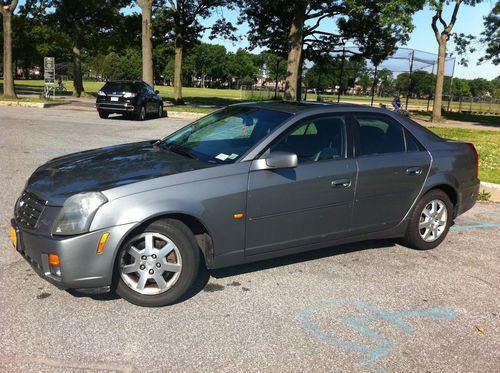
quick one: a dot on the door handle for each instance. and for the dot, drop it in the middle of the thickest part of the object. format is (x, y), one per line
(414, 170)
(341, 183)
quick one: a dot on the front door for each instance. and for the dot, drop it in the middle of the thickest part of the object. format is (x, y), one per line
(307, 204)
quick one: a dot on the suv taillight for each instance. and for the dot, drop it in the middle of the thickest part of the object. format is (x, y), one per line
(473, 148)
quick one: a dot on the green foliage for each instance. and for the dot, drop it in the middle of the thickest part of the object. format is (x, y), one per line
(123, 66)
(375, 26)
(491, 35)
(481, 87)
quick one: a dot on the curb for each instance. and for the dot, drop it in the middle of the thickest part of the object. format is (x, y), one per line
(493, 189)
(39, 105)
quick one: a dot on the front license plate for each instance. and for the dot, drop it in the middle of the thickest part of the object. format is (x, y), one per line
(114, 98)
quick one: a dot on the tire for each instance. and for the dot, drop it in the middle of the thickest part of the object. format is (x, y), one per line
(103, 115)
(142, 113)
(160, 111)
(430, 221)
(174, 257)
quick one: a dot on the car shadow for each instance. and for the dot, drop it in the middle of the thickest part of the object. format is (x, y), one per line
(204, 274)
(301, 258)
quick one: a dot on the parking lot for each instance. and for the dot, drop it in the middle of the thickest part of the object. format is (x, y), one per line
(367, 307)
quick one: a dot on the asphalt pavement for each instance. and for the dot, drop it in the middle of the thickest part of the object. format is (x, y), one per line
(367, 307)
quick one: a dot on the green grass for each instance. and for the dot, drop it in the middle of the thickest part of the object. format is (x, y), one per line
(36, 100)
(493, 120)
(487, 144)
(191, 109)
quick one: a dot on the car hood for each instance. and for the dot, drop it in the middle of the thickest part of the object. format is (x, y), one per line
(105, 168)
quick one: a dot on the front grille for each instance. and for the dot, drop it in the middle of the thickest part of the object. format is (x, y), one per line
(28, 210)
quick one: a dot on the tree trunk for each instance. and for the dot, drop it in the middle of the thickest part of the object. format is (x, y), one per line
(438, 93)
(147, 45)
(179, 46)
(277, 78)
(8, 75)
(77, 70)
(295, 43)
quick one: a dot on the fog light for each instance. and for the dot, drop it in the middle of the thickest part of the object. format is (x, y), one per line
(13, 236)
(102, 242)
(54, 260)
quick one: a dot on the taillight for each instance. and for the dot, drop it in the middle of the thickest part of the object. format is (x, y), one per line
(473, 148)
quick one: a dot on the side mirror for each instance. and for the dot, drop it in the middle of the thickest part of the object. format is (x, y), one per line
(281, 160)
(157, 92)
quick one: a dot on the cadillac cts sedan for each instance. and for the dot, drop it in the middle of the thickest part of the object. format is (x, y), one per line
(249, 182)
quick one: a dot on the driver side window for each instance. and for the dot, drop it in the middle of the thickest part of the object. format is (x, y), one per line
(319, 139)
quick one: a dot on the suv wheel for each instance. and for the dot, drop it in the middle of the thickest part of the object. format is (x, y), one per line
(430, 221)
(142, 113)
(157, 266)
(103, 115)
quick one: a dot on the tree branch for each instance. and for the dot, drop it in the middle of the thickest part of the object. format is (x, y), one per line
(453, 16)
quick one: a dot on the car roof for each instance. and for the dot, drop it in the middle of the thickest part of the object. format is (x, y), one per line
(124, 81)
(295, 107)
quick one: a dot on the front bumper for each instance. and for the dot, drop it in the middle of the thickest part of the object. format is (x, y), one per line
(81, 267)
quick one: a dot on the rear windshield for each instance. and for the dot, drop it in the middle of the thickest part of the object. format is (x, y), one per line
(119, 87)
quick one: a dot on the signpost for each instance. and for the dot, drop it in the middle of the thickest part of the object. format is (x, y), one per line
(49, 75)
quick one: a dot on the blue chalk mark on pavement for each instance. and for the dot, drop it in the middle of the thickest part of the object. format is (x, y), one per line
(475, 223)
(383, 347)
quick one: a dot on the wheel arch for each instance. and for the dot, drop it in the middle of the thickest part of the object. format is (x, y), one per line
(196, 226)
(449, 190)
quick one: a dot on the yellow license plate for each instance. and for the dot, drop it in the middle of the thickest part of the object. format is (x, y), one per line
(13, 237)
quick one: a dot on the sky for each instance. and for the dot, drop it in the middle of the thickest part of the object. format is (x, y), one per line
(469, 21)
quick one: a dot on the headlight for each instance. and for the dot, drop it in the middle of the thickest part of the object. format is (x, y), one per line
(77, 213)
(101, 93)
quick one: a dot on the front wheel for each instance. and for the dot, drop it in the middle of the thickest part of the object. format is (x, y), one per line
(142, 113)
(430, 221)
(158, 265)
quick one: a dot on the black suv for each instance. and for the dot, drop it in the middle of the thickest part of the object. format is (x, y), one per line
(129, 97)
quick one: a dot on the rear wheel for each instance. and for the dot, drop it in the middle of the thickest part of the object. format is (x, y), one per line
(430, 221)
(103, 115)
(157, 266)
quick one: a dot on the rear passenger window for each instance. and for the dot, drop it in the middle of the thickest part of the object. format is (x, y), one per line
(379, 135)
(411, 144)
(315, 140)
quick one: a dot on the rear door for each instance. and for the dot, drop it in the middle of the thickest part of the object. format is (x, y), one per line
(310, 203)
(392, 168)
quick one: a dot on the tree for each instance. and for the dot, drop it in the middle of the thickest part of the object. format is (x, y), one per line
(185, 16)
(491, 35)
(147, 44)
(7, 9)
(442, 38)
(375, 26)
(81, 20)
(481, 87)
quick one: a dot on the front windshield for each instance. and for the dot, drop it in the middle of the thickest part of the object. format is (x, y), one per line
(226, 135)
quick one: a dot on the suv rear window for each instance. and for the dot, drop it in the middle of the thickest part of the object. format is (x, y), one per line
(119, 87)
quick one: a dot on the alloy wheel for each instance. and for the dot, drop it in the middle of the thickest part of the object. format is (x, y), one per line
(433, 220)
(151, 264)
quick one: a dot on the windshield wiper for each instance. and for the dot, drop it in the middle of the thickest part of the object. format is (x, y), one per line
(180, 150)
